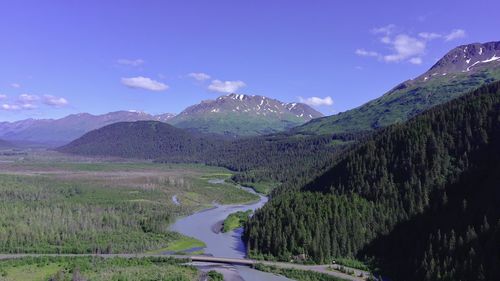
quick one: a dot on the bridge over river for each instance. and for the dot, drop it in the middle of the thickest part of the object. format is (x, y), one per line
(210, 259)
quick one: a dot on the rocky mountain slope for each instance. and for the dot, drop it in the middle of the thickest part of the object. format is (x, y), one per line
(243, 115)
(463, 69)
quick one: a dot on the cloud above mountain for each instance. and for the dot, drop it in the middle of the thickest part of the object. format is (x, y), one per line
(199, 76)
(144, 83)
(317, 101)
(30, 102)
(27, 98)
(455, 34)
(226, 86)
(54, 101)
(403, 46)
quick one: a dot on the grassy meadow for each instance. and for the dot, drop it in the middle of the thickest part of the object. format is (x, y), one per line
(96, 269)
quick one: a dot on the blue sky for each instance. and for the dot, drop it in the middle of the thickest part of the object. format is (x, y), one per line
(63, 57)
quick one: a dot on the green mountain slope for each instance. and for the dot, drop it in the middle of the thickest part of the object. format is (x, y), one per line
(437, 164)
(267, 160)
(463, 69)
(142, 139)
(243, 115)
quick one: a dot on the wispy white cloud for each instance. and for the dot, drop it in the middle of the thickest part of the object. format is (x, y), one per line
(28, 106)
(15, 85)
(9, 107)
(455, 34)
(54, 101)
(404, 46)
(133, 62)
(14, 106)
(317, 101)
(387, 30)
(226, 86)
(200, 76)
(415, 60)
(30, 102)
(429, 35)
(27, 98)
(365, 53)
(145, 83)
(25, 101)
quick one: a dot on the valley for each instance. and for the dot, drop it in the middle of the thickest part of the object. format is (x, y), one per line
(249, 140)
(336, 194)
(63, 205)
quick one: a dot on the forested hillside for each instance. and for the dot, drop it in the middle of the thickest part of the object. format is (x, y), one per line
(266, 160)
(421, 198)
(143, 139)
(279, 158)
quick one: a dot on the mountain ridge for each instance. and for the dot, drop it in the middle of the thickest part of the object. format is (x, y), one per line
(243, 115)
(144, 139)
(65, 129)
(461, 70)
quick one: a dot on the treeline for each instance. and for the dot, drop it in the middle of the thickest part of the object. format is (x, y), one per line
(143, 139)
(270, 159)
(97, 269)
(43, 215)
(293, 159)
(394, 177)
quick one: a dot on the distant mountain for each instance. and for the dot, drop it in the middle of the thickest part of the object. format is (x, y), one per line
(142, 139)
(463, 69)
(64, 130)
(243, 115)
(5, 144)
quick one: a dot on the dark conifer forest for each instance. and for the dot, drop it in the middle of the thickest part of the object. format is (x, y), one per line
(419, 199)
(269, 159)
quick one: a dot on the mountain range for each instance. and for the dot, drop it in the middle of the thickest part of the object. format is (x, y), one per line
(461, 70)
(230, 115)
(60, 131)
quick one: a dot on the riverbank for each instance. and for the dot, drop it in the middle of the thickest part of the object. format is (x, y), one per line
(203, 226)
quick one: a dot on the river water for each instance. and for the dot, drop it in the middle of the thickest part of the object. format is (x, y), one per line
(201, 226)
